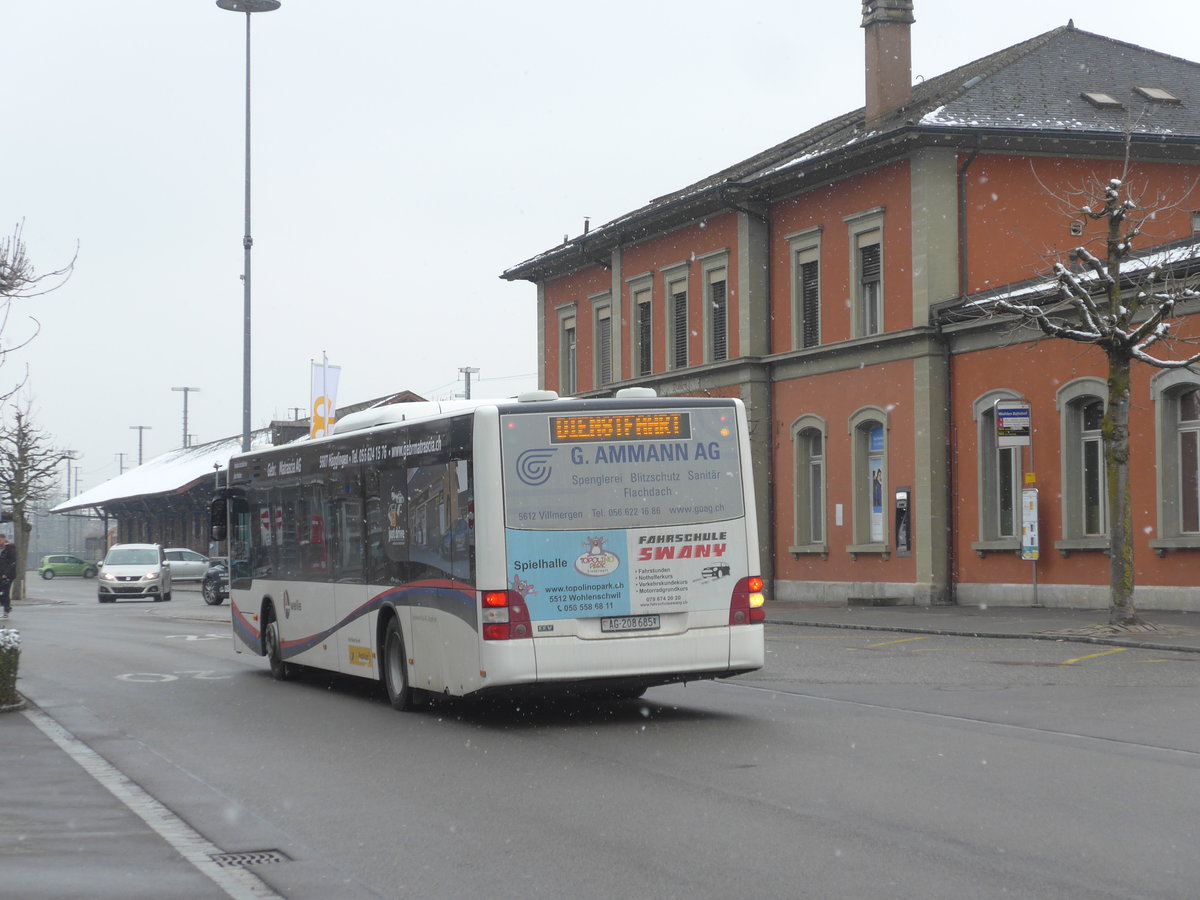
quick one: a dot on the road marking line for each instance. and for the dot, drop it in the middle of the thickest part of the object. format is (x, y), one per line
(924, 637)
(1094, 655)
(238, 883)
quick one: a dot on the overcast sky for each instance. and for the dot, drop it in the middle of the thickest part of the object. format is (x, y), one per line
(404, 155)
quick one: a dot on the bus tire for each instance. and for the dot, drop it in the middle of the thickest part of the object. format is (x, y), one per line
(280, 670)
(395, 668)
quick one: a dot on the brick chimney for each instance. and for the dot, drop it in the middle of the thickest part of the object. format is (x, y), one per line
(888, 56)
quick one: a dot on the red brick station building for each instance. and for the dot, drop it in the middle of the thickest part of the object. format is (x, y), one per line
(823, 282)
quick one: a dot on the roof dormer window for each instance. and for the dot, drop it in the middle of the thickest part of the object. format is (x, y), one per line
(1157, 95)
(1101, 100)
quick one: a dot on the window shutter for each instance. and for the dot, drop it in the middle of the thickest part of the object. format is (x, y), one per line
(809, 303)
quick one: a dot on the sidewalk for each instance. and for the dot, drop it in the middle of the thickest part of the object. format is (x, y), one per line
(1162, 629)
(62, 834)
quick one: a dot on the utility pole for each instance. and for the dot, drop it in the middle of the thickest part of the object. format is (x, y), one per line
(186, 391)
(141, 429)
(121, 463)
(70, 454)
(467, 371)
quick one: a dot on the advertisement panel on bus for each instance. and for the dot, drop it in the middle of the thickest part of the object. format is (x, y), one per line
(624, 513)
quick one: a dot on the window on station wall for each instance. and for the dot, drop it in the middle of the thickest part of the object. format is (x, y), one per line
(868, 433)
(870, 286)
(808, 449)
(1084, 490)
(999, 478)
(865, 231)
(643, 324)
(567, 384)
(717, 312)
(677, 296)
(1176, 395)
(1093, 488)
(604, 344)
(805, 249)
(1189, 461)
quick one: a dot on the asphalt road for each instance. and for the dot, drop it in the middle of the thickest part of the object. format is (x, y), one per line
(857, 764)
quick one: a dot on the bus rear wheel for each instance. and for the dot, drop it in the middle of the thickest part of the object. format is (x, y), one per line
(395, 668)
(280, 670)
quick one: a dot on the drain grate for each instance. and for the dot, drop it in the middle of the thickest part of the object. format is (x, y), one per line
(249, 858)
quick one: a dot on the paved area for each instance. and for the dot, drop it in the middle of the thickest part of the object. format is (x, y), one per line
(1160, 630)
(67, 832)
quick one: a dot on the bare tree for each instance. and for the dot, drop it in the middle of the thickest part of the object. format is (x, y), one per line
(28, 470)
(19, 280)
(1128, 318)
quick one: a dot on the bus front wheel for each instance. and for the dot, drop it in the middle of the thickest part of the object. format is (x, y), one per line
(279, 669)
(395, 668)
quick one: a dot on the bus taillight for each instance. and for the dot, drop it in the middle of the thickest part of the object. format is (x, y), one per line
(505, 616)
(746, 604)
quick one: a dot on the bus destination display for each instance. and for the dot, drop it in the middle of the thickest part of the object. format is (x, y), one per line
(620, 427)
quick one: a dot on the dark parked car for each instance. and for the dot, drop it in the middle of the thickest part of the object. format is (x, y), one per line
(215, 585)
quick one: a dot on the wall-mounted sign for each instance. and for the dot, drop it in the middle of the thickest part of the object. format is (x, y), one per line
(1029, 524)
(1013, 423)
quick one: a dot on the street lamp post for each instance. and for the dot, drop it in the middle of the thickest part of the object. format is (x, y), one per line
(247, 7)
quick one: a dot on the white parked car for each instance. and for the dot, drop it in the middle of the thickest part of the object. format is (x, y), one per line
(186, 565)
(134, 572)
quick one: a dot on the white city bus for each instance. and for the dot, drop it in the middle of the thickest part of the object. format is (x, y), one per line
(472, 547)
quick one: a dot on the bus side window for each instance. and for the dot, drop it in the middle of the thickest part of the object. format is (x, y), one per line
(394, 529)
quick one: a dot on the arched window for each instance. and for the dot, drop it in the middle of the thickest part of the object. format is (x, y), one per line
(808, 452)
(1189, 461)
(1084, 488)
(1176, 394)
(868, 436)
(999, 482)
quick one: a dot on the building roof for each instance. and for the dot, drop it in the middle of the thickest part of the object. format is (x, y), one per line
(1032, 91)
(1175, 265)
(178, 471)
(172, 473)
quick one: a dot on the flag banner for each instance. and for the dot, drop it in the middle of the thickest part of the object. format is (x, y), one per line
(324, 398)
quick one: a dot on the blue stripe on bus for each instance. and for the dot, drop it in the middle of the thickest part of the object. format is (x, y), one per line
(453, 598)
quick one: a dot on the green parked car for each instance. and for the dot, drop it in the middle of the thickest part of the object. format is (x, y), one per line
(64, 564)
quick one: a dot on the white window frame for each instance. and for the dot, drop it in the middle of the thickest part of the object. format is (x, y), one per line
(810, 532)
(1165, 390)
(994, 466)
(869, 529)
(1071, 400)
(804, 248)
(641, 293)
(568, 351)
(714, 269)
(673, 278)
(865, 229)
(602, 325)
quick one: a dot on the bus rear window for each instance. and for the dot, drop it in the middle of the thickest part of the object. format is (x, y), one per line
(621, 470)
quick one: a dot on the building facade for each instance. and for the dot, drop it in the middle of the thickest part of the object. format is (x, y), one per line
(819, 281)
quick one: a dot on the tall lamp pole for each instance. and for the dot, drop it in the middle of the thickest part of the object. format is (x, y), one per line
(247, 7)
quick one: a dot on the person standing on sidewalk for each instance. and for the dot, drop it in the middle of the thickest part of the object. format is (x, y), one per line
(8, 572)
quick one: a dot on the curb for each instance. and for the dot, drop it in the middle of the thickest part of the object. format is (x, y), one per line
(1034, 636)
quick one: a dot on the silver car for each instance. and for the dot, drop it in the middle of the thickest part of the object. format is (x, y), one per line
(134, 572)
(186, 565)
